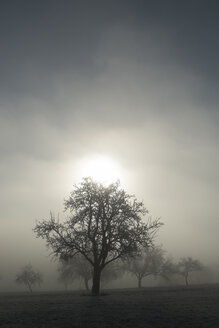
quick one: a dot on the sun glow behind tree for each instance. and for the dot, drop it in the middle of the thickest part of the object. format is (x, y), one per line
(101, 168)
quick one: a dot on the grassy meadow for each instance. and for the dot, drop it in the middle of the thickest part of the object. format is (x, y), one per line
(195, 306)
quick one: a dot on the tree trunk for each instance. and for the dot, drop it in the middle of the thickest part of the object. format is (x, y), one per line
(96, 281)
(86, 284)
(186, 279)
(139, 282)
(30, 288)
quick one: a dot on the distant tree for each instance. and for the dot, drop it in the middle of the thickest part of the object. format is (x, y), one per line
(65, 273)
(148, 263)
(111, 272)
(75, 268)
(187, 265)
(29, 277)
(79, 268)
(105, 224)
(168, 269)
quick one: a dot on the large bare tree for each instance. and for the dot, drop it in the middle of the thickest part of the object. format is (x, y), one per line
(104, 224)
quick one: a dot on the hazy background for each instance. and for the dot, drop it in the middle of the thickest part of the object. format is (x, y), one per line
(134, 80)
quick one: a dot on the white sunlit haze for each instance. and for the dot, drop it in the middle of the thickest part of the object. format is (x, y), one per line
(100, 168)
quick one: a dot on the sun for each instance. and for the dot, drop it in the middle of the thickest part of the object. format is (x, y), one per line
(101, 168)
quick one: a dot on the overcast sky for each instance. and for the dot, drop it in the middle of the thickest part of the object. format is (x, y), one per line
(134, 80)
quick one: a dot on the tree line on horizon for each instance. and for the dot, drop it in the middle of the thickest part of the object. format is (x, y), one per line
(152, 262)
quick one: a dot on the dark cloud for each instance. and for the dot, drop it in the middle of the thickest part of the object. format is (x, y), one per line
(48, 41)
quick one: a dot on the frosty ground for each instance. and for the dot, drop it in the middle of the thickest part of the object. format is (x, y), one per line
(195, 306)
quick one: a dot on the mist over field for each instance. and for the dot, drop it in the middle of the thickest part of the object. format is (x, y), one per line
(136, 81)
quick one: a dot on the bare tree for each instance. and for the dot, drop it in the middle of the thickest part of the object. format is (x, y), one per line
(111, 272)
(168, 269)
(148, 263)
(105, 224)
(29, 277)
(187, 265)
(74, 268)
(66, 274)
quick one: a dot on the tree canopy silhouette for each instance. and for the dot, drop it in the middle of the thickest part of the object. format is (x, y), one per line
(104, 224)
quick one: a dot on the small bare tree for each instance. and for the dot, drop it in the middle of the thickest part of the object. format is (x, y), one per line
(148, 263)
(74, 268)
(168, 269)
(78, 267)
(66, 275)
(29, 277)
(187, 265)
(111, 272)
